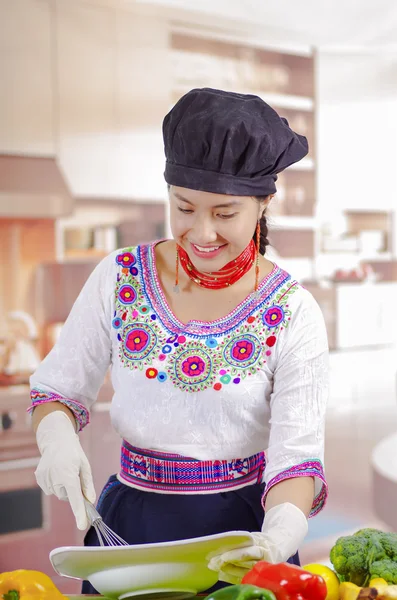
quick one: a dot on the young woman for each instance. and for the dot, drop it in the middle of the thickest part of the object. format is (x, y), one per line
(218, 356)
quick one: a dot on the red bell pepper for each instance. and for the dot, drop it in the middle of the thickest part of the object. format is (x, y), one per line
(287, 582)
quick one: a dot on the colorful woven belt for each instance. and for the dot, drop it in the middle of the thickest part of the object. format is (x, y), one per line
(172, 473)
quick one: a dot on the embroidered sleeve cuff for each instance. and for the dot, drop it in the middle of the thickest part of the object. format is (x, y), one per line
(80, 412)
(310, 468)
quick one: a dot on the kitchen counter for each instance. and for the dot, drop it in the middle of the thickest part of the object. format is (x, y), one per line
(83, 596)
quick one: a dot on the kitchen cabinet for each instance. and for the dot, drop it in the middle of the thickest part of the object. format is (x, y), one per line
(27, 113)
(142, 99)
(111, 104)
(85, 72)
(89, 84)
(385, 270)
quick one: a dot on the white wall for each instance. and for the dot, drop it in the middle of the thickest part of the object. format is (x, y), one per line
(357, 132)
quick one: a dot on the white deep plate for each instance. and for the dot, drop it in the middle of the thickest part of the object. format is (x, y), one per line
(175, 569)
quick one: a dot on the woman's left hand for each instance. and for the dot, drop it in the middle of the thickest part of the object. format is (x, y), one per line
(284, 529)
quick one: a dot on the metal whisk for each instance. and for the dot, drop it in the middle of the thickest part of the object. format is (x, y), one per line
(106, 536)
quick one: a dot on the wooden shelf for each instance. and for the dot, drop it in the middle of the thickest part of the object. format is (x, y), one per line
(299, 243)
(84, 254)
(244, 38)
(288, 101)
(197, 58)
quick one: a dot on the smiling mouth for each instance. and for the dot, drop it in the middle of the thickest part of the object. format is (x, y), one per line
(207, 249)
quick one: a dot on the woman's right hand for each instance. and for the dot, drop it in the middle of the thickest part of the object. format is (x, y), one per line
(64, 469)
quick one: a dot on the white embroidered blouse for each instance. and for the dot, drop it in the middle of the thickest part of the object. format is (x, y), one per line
(255, 380)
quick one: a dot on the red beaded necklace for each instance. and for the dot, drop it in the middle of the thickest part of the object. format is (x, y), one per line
(229, 274)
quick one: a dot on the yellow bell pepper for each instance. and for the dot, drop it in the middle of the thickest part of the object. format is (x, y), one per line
(377, 581)
(349, 591)
(28, 585)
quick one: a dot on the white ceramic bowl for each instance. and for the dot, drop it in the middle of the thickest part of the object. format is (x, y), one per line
(176, 569)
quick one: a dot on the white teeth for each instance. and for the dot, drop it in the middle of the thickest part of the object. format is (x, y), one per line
(206, 249)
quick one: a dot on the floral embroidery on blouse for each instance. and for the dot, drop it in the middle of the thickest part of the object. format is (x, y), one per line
(196, 356)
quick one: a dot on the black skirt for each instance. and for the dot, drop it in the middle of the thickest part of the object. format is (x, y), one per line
(142, 517)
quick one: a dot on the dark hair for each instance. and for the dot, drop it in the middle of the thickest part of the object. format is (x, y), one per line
(263, 242)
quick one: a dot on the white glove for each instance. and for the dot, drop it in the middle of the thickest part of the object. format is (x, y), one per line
(284, 529)
(64, 469)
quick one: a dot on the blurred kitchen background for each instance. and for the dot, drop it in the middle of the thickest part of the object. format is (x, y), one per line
(84, 86)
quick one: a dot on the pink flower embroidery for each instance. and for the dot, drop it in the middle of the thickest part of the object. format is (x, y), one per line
(242, 350)
(127, 294)
(126, 259)
(273, 316)
(193, 366)
(137, 340)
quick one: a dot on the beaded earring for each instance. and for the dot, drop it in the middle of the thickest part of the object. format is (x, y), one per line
(176, 286)
(258, 244)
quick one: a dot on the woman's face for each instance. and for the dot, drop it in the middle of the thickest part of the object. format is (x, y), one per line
(213, 228)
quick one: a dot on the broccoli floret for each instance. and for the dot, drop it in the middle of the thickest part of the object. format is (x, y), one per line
(368, 533)
(349, 557)
(389, 542)
(386, 569)
(353, 555)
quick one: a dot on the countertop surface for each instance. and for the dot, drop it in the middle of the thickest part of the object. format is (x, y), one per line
(84, 596)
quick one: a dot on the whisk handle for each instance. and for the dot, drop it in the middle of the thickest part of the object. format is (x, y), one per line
(92, 513)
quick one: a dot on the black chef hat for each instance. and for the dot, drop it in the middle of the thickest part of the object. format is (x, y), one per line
(228, 143)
